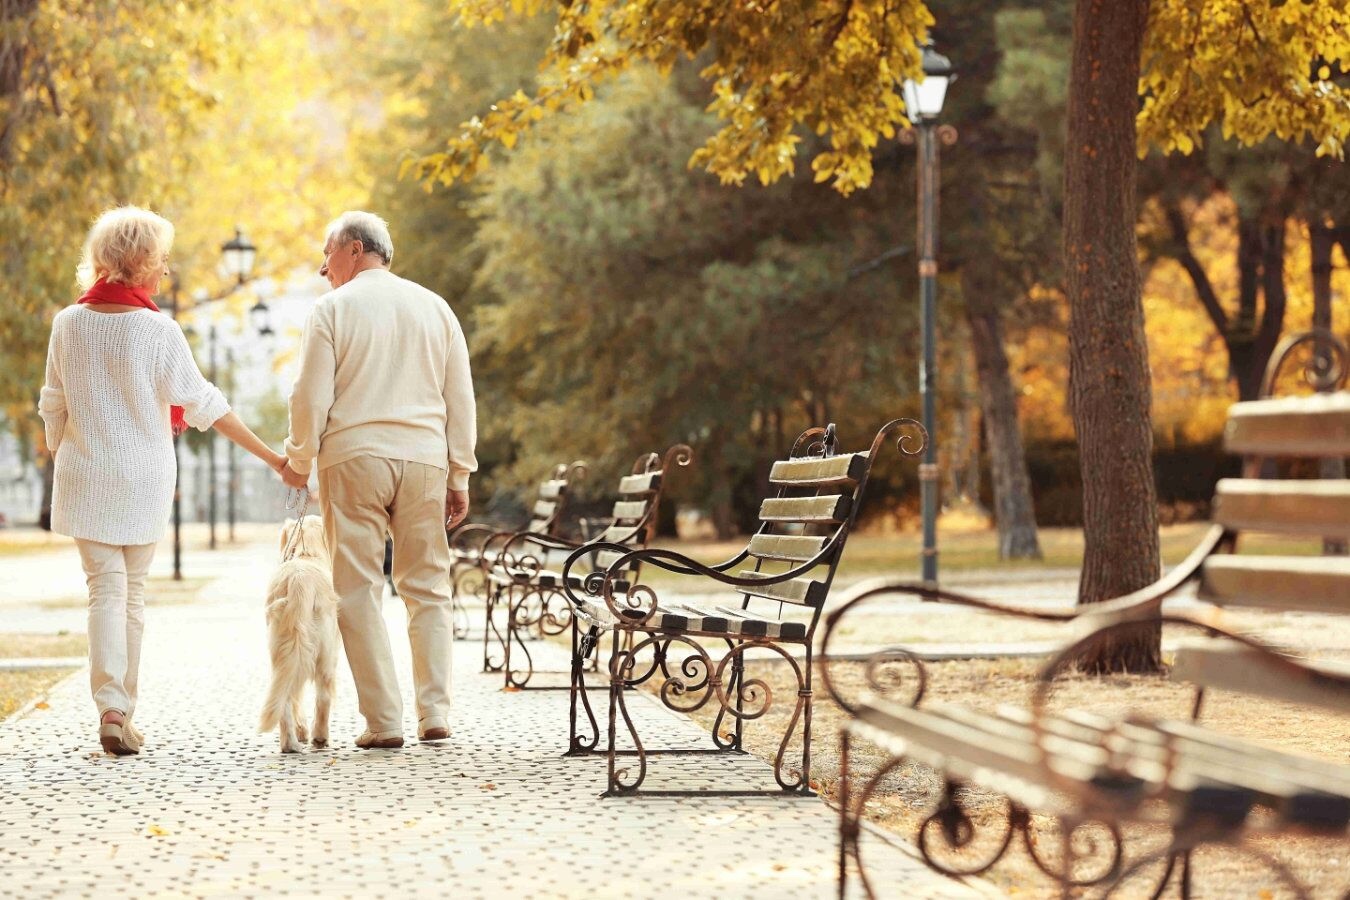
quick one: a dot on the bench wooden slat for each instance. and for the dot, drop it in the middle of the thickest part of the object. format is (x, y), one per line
(1317, 508)
(639, 484)
(846, 468)
(1304, 583)
(1291, 426)
(786, 547)
(606, 558)
(544, 509)
(968, 753)
(629, 510)
(553, 489)
(620, 533)
(1173, 764)
(827, 509)
(538, 526)
(803, 590)
(1229, 666)
(1158, 740)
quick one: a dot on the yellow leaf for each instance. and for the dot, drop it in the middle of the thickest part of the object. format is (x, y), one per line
(42, 704)
(156, 831)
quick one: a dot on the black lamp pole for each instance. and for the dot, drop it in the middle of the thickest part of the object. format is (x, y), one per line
(211, 448)
(928, 470)
(177, 463)
(233, 475)
(923, 102)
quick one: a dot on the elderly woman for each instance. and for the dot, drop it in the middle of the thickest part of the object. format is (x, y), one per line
(121, 381)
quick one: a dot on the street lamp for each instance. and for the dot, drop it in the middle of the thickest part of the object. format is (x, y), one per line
(238, 254)
(237, 257)
(923, 105)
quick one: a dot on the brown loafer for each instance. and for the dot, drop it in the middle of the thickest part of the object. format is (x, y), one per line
(433, 728)
(434, 734)
(113, 740)
(381, 740)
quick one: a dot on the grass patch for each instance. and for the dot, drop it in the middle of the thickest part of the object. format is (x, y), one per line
(18, 645)
(18, 687)
(162, 592)
(963, 552)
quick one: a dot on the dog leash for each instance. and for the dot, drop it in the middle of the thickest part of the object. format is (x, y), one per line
(296, 499)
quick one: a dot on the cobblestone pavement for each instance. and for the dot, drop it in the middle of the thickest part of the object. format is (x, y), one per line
(211, 809)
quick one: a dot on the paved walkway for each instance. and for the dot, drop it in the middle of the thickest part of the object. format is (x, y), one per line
(211, 809)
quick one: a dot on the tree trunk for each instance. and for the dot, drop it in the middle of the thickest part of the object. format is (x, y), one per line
(1322, 239)
(1109, 388)
(1014, 512)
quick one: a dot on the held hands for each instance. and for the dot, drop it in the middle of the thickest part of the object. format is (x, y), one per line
(292, 478)
(456, 507)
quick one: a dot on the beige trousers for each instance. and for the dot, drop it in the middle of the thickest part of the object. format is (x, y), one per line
(116, 578)
(362, 500)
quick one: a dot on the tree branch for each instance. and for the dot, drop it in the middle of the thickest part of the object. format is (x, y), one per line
(877, 262)
(1204, 289)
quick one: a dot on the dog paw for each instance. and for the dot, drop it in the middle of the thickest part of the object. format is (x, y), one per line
(301, 733)
(319, 742)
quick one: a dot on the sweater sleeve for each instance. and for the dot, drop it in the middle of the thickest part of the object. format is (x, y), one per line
(183, 384)
(312, 396)
(461, 415)
(52, 399)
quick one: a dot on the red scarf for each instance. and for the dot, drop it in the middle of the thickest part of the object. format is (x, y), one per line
(125, 295)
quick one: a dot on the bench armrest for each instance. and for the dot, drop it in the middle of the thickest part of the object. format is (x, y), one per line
(1143, 605)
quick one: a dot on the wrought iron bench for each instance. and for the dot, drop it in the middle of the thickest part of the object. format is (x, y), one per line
(474, 546)
(789, 562)
(1094, 775)
(525, 574)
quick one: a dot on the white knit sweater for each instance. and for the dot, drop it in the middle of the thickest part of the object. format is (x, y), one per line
(111, 378)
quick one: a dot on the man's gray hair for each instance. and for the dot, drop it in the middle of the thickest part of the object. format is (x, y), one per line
(366, 227)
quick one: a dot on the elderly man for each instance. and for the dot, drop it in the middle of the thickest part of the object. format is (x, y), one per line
(384, 404)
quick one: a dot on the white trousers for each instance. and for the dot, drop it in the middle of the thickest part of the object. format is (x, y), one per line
(116, 578)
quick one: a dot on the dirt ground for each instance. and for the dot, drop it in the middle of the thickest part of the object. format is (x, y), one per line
(909, 794)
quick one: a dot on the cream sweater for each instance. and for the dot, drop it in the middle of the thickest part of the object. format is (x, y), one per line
(384, 371)
(111, 378)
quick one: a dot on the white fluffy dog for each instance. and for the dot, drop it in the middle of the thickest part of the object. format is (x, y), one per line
(302, 634)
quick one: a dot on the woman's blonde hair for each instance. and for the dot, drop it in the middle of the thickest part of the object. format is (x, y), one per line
(126, 245)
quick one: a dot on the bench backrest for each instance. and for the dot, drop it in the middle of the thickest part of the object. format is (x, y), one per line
(546, 514)
(1316, 427)
(635, 514)
(804, 524)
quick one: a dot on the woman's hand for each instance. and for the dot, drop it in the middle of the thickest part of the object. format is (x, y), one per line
(292, 478)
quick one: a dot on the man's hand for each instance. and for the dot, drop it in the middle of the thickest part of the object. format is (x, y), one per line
(293, 478)
(456, 507)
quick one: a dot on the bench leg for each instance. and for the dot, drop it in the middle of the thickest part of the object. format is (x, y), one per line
(576, 746)
(517, 621)
(620, 667)
(490, 631)
(847, 827)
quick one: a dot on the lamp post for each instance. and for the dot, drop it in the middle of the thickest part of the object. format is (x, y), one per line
(237, 256)
(923, 105)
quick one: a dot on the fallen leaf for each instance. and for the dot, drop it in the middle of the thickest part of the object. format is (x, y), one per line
(42, 704)
(511, 689)
(156, 831)
(332, 762)
(779, 867)
(410, 823)
(488, 787)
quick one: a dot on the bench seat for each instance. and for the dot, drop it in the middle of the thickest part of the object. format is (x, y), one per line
(704, 618)
(1114, 769)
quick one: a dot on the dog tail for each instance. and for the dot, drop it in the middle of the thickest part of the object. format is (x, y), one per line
(294, 645)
